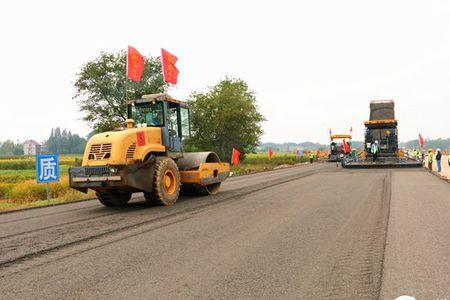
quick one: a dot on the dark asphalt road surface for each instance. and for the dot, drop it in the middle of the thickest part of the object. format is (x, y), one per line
(309, 232)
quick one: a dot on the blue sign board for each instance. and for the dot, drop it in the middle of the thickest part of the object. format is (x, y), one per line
(47, 168)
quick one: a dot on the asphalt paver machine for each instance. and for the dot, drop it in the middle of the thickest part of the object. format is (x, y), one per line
(381, 128)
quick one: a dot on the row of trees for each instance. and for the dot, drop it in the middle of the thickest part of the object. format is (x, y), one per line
(64, 142)
(8, 147)
(224, 117)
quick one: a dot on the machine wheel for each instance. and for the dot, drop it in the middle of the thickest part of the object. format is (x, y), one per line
(113, 198)
(166, 184)
(211, 189)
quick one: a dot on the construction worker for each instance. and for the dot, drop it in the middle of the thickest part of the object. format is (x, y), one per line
(438, 159)
(374, 150)
(311, 157)
(430, 159)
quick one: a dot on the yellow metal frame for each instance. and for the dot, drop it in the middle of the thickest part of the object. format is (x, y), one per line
(374, 122)
(340, 136)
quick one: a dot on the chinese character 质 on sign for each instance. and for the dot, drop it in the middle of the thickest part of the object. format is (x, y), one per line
(47, 168)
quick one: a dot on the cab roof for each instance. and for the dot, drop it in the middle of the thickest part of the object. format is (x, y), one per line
(158, 97)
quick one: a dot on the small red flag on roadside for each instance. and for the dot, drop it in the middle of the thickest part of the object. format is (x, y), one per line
(421, 141)
(170, 72)
(135, 64)
(235, 156)
(270, 153)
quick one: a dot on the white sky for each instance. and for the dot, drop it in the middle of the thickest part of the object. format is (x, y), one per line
(313, 64)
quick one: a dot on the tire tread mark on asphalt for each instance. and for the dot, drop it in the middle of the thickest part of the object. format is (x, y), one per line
(218, 199)
(388, 195)
(57, 225)
(353, 264)
(44, 215)
(52, 255)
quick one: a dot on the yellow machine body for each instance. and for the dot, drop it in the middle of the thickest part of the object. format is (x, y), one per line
(121, 147)
(135, 159)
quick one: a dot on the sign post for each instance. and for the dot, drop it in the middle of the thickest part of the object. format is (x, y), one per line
(47, 170)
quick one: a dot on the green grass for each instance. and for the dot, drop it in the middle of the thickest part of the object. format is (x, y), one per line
(259, 162)
(29, 162)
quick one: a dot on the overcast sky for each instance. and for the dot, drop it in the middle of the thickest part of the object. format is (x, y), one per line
(313, 64)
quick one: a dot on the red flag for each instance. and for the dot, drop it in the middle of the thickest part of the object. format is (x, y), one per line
(421, 141)
(235, 156)
(270, 153)
(135, 64)
(170, 72)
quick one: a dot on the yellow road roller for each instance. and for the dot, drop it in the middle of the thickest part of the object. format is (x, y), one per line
(147, 156)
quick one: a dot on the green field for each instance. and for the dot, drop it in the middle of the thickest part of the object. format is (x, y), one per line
(258, 162)
(18, 186)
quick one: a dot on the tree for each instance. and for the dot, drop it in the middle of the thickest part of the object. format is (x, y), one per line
(225, 117)
(7, 148)
(18, 149)
(65, 142)
(102, 90)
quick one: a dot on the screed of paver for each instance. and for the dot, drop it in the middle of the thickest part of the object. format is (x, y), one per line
(417, 257)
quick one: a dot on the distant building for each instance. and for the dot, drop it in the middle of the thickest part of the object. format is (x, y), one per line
(31, 147)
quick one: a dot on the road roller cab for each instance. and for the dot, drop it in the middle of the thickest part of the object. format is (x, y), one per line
(147, 156)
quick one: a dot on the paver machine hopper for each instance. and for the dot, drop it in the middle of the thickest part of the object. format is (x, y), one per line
(381, 128)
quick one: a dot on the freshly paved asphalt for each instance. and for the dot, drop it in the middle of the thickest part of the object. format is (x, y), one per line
(308, 232)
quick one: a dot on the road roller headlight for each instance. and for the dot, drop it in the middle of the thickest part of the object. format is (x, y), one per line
(113, 170)
(342, 155)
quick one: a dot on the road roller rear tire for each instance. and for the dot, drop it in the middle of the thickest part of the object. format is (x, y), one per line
(113, 198)
(166, 183)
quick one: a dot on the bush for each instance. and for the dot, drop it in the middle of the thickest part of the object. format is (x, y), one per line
(4, 189)
(15, 178)
(17, 164)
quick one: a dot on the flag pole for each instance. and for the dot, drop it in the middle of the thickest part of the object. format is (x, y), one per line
(126, 84)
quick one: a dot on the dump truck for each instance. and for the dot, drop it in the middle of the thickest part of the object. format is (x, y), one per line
(337, 151)
(147, 156)
(381, 128)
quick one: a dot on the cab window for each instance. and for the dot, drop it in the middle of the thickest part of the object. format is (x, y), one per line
(185, 124)
(173, 121)
(150, 113)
